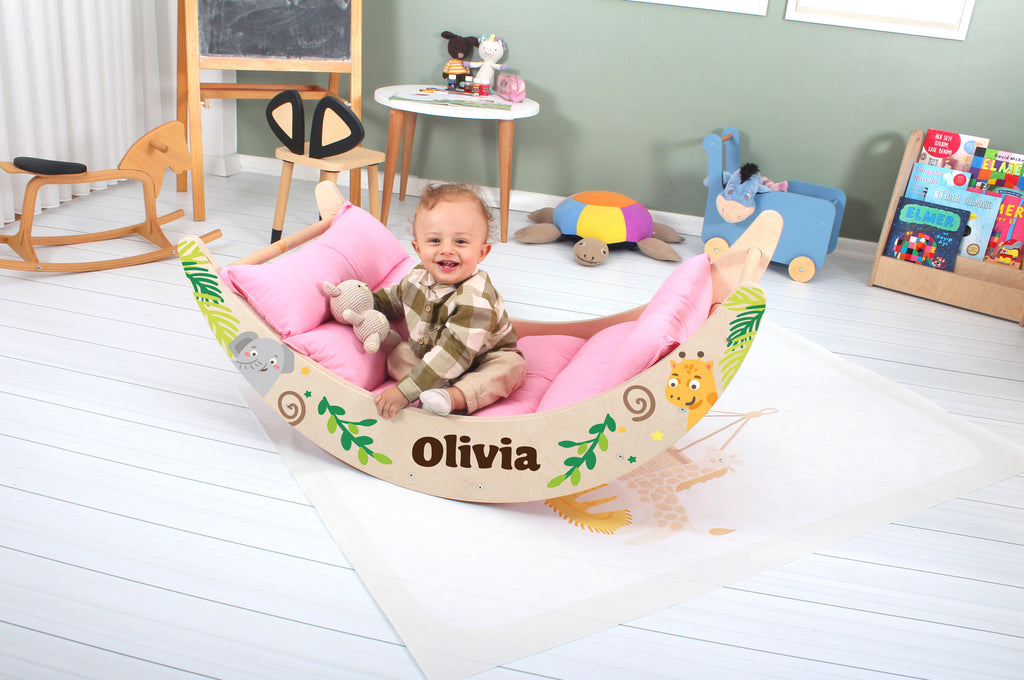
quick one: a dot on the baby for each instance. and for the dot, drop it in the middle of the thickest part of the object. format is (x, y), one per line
(461, 354)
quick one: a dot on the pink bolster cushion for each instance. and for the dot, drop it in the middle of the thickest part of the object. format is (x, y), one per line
(618, 353)
(287, 290)
(546, 356)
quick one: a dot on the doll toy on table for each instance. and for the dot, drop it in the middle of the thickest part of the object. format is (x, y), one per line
(492, 49)
(461, 354)
(456, 70)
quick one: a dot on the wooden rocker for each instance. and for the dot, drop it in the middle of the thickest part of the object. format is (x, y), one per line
(659, 367)
(146, 161)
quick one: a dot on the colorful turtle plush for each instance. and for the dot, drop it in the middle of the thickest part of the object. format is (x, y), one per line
(599, 219)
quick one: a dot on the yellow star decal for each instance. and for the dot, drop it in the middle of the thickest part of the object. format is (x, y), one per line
(305, 370)
(657, 435)
(622, 429)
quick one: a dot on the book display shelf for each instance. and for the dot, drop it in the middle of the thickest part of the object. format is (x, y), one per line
(981, 286)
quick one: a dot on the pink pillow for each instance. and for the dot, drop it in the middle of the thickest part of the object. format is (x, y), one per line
(618, 353)
(587, 374)
(546, 356)
(680, 306)
(336, 348)
(286, 291)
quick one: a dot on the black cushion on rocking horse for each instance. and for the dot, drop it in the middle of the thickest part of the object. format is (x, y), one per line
(42, 166)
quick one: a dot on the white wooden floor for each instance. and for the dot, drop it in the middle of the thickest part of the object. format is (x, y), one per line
(130, 547)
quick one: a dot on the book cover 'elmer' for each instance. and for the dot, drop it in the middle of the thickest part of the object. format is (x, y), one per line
(992, 169)
(1006, 245)
(950, 149)
(927, 234)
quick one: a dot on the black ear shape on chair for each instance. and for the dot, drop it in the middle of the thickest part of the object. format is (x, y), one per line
(287, 121)
(335, 129)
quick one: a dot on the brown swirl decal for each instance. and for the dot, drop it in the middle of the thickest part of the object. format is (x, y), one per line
(292, 407)
(640, 405)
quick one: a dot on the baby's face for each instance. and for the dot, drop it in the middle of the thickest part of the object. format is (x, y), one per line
(451, 239)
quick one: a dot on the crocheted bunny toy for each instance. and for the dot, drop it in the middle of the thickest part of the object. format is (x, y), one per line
(352, 305)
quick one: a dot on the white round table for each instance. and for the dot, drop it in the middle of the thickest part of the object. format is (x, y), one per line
(407, 101)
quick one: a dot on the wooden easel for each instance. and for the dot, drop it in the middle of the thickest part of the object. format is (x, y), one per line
(191, 92)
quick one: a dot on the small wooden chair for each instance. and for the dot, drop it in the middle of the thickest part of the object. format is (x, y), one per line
(329, 168)
(146, 161)
(333, 147)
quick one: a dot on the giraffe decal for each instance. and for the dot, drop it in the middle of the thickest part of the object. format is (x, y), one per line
(691, 386)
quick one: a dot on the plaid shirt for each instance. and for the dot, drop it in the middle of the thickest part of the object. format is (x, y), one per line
(450, 326)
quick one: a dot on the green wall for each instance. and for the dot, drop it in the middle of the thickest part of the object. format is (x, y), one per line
(628, 90)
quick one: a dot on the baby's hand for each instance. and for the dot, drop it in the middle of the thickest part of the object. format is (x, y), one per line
(390, 401)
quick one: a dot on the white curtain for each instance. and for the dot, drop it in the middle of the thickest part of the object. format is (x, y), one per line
(80, 80)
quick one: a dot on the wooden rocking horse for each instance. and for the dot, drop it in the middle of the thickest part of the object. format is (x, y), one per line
(146, 161)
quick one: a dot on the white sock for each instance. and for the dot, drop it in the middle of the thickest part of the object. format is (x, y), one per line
(436, 401)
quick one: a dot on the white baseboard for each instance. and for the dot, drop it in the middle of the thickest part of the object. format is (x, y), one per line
(222, 166)
(524, 201)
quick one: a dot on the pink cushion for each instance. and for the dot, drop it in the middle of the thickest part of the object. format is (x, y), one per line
(287, 290)
(546, 356)
(617, 354)
(336, 348)
(680, 306)
(587, 374)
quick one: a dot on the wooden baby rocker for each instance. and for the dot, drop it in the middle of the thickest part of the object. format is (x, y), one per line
(581, 440)
(146, 161)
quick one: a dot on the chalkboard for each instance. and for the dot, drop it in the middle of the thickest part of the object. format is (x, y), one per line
(283, 29)
(318, 36)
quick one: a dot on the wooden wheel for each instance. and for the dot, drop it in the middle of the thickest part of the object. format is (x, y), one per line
(716, 247)
(801, 269)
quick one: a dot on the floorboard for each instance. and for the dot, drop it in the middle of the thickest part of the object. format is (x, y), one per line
(132, 547)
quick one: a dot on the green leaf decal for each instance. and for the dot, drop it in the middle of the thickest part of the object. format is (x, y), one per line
(586, 452)
(207, 293)
(349, 430)
(749, 302)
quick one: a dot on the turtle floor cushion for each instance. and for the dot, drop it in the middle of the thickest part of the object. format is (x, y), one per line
(561, 369)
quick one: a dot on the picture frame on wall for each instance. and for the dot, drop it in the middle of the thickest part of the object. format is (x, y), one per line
(931, 18)
(758, 7)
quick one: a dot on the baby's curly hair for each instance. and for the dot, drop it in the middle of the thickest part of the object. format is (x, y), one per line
(455, 191)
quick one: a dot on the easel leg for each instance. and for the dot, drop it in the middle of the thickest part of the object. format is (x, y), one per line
(182, 89)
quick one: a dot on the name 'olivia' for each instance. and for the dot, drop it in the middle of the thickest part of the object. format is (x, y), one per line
(460, 451)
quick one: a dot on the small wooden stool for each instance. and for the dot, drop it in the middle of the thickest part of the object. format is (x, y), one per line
(352, 160)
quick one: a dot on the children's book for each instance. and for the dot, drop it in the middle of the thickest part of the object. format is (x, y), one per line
(983, 210)
(950, 149)
(926, 234)
(1004, 246)
(992, 168)
(923, 176)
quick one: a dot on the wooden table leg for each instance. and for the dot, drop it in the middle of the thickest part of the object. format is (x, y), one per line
(408, 132)
(506, 129)
(396, 121)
